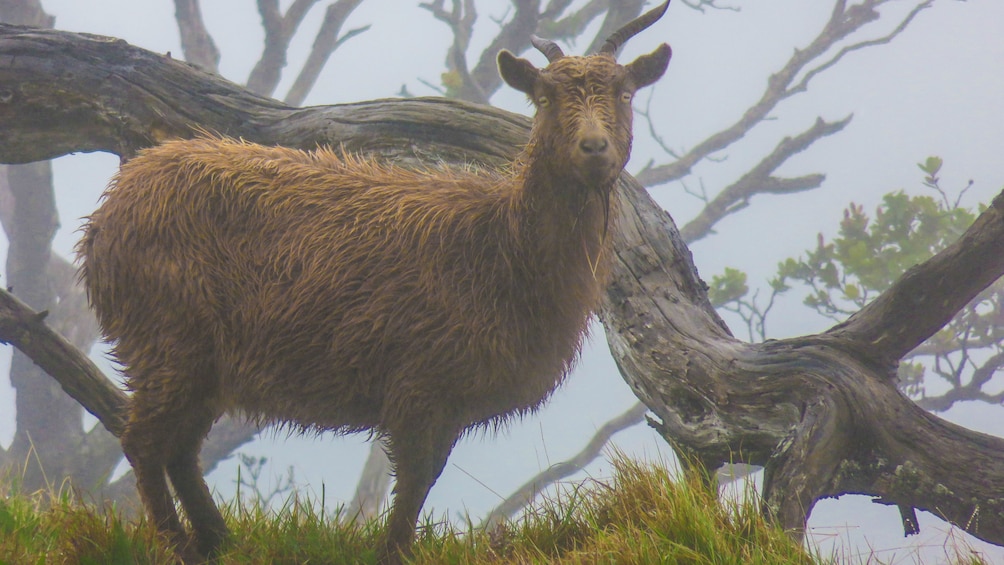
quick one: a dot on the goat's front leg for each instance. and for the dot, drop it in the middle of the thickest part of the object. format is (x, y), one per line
(419, 457)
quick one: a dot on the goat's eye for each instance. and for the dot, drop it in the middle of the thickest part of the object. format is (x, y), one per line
(543, 101)
(626, 97)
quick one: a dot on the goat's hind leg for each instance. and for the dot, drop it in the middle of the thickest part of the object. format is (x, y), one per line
(142, 445)
(183, 468)
(170, 413)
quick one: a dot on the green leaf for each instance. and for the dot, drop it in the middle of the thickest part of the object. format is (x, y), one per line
(852, 292)
(829, 275)
(931, 166)
(729, 286)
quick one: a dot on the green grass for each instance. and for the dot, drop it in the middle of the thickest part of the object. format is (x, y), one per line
(641, 516)
(56, 528)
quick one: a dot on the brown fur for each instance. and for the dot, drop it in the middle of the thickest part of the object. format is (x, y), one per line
(329, 291)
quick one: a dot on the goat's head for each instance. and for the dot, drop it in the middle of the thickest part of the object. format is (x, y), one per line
(583, 103)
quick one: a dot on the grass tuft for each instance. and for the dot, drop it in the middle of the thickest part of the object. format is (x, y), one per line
(641, 516)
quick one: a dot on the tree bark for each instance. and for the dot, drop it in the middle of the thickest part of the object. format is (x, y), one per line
(820, 412)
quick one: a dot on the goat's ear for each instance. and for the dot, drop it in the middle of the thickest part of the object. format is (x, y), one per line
(517, 73)
(647, 69)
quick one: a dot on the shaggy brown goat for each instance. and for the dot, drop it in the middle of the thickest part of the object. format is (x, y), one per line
(328, 291)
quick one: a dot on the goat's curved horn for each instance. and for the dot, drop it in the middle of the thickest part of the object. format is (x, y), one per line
(633, 28)
(549, 48)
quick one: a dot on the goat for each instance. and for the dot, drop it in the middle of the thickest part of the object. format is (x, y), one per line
(327, 291)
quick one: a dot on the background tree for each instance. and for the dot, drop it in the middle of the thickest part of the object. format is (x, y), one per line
(958, 363)
(835, 40)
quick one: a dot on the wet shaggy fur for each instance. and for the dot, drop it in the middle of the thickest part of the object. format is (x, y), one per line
(328, 291)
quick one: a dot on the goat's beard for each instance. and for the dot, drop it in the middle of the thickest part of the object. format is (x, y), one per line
(597, 174)
(598, 179)
(605, 194)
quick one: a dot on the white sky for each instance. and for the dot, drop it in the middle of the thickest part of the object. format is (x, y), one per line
(936, 90)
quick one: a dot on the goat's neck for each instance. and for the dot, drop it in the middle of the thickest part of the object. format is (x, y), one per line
(566, 218)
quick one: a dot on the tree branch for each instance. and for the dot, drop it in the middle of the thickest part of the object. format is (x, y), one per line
(461, 22)
(72, 318)
(26, 330)
(842, 23)
(514, 36)
(529, 490)
(196, 43)
(326, 42)
(373, 486)
(758, 180)
(924, 299)
(720, 400)
(970, 391)
(573, 25)
(803, 84)
(618, 14)
(279, 31)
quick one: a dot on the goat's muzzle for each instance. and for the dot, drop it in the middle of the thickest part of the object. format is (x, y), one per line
(594, 157)
(594, 145)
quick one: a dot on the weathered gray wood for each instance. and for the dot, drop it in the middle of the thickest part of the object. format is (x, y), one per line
(62, 92)
(26, 330)
(820, 412)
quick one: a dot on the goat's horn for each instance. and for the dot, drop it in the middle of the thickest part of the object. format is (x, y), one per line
(632, 28)
(549, 48)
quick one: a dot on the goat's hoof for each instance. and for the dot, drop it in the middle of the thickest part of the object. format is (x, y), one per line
(390, 555)
(191, 556)
(210, 542)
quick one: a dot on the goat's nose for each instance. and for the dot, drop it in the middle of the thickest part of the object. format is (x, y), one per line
(593, 144)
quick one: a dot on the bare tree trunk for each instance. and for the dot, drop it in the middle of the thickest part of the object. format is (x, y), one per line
(48, 421)
(50, 442)
(373, 486)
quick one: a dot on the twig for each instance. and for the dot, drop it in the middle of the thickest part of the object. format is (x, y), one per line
(647, 114)
(804, 83)
(700, 5)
